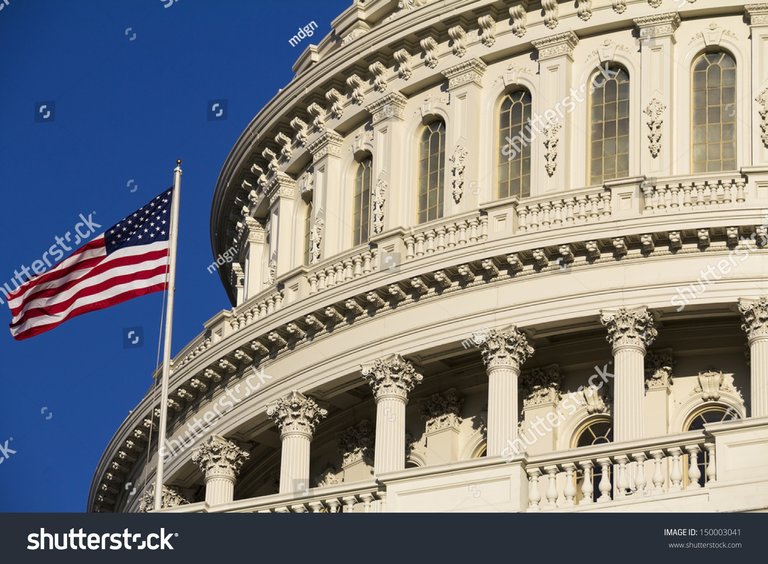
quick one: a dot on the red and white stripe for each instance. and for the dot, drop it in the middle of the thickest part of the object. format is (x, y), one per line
(86, 281)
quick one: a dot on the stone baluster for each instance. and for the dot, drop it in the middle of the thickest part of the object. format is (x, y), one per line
(605, 480)
(694, 473)
(622, 476)
(658, 475)
(587, 489)
(675, 471)
(534, 491)
(640, 479)
(551, 486)
(220, 460)
(569, 490)
(296, 415)
(711, 467)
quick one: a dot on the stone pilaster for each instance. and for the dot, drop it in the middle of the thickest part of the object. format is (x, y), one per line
(658, 381)
(757, 16)
(296, 415)
(442, 413)
(462, 167)
(657, 45)
(220, 460)
(256, 256)
(327, 203)
(755, 315)
(630, 331)
(357, 454)
(540, 388)
(281, 190)
(388, 207)
(504, 352)
(555, 70)
(391, 378)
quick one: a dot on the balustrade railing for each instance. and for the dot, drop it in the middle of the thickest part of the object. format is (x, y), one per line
(663, 196)
(567, 209)
(440, 235)
(253, 311)
(612, 474)
(342, 269)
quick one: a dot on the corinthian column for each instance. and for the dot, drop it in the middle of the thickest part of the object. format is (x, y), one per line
(391, 378)
(755, 314)
(296, 415)
(630, 331)
(220, 461)
(504, 352)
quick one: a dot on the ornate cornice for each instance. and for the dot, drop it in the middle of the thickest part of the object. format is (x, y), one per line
(757, 14)
(658, 25)
(255, 231)
(755, 316)
(390, 106)
(219, 457)
(296, 414)
(470, 71)
(629, 327)
(328, 143)
(391, 376)
(556, 45)
(442, 410)
(508, 347)
(280, 186)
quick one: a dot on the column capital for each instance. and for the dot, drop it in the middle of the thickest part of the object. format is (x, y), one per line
(466, 72)
(280, 185)
(633, 327)
(658, 25)
(220, 457)
(541, 385)
(556, 45)
(755, 315)
(442, 410)
(508, 347)
(296, 414)
(390, 106)
(356, 443)
(328, 143)
(391, 376)
(171, 497)
(757, 14)
(256, 233)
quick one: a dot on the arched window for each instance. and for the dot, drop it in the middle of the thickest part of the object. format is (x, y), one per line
(595, 431)
(713, 139)
(515, 145)
(709, 413)
(362, 201)
(308, 233)
(609, 124)
(431, 171)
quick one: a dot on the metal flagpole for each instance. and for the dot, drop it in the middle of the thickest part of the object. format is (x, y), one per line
(171, 287)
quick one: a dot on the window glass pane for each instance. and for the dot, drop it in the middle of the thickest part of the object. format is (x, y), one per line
(609, 129)
(431, 171)
(514, 149)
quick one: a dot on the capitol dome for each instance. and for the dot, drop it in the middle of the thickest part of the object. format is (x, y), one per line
(485, 256)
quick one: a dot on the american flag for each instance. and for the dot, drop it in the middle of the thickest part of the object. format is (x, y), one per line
(130, 259)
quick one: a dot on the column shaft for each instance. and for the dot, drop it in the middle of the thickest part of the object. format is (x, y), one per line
(219, 489)
(502, 407)
(294, 463)
(758, 362)
(390, 435)
(628, 393)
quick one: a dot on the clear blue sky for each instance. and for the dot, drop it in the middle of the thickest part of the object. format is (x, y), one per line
(126, 107)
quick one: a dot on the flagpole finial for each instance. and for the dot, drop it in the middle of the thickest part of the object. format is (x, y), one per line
(178, 161)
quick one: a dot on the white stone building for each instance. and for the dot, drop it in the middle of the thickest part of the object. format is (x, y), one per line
(491, 256)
